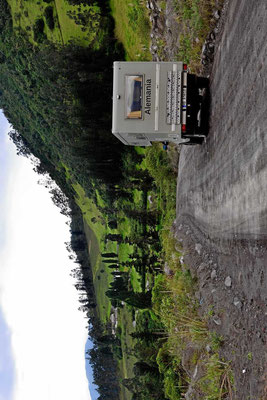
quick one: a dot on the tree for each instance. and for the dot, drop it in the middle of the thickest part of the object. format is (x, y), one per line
(109, 255)
(113, 266)
(114, 237)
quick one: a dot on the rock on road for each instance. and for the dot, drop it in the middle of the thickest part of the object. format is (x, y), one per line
(222, 197)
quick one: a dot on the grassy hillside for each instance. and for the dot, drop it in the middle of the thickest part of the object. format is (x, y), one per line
(59, 22)
(44, 94)
(132, 28)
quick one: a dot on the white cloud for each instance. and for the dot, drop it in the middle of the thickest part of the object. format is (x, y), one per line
(39, 301)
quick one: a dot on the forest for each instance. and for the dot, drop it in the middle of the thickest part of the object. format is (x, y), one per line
(55, 97)
(56, 91)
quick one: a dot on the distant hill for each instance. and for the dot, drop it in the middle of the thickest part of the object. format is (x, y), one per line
(55, 89)
(56, 96)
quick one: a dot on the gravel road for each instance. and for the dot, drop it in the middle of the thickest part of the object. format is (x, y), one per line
(222, 197)
(223, 184)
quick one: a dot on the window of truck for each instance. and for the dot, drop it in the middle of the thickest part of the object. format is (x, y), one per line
(133, 96)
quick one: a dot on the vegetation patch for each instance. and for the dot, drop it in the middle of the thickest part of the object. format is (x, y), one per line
(93, 217)
(49, 16)
(187, 338)
(195, 18)
(132, 28)
(63, 22)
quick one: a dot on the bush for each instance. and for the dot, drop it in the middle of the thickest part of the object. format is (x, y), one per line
(49, 17)
(38, 31)
(117, 352)
(159, 292)
(171, 385)
(172, 381)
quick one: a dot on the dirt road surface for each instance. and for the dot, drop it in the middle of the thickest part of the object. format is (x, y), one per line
(222, 198)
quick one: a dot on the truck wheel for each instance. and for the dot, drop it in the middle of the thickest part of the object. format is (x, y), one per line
(193, 141)
(189, 143)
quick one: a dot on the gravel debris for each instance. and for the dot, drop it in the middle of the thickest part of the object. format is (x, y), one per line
(213, 274)
(228, 281)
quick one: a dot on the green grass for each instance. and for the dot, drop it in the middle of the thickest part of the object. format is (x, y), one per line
(93, 248)
(125, 324)
(135, 279)
(158, 165)
(84, 35)
(96, 229)
(124, 226)
(138, 197)
(25, 13)
(195, 23)
(132, 28)
(99, 201)
(101, 274)
(67, 25)
(102, 280)
(218, 381)
(175, 304)
(93, 217)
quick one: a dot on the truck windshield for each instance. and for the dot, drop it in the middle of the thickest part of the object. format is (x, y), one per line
(133, 96)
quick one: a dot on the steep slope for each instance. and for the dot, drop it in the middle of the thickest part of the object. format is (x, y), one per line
(55, 98)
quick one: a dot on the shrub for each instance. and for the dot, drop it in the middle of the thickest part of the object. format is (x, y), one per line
(49, 17)
(38, 31)
(171, 385)
(172, 382)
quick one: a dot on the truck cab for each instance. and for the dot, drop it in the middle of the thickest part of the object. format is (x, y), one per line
(156, 102)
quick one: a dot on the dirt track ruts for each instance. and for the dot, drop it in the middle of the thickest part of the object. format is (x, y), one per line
(222, 196)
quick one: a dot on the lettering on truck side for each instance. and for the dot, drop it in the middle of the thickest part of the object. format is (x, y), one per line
(148, 97)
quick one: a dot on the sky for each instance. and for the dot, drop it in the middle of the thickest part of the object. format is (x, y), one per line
(42, 333)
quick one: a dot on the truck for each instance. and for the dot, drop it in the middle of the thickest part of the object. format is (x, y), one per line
(157, 102)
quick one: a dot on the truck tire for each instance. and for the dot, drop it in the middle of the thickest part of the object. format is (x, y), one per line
(193, 141)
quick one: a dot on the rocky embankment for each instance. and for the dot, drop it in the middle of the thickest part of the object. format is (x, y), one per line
(166, 31)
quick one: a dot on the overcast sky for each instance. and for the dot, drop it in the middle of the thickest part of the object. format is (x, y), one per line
(42, 334)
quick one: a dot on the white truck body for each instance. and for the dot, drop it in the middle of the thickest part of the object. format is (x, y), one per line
(150, 103)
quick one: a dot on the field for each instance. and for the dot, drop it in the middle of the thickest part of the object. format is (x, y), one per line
(59, 22)
(132, 28)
